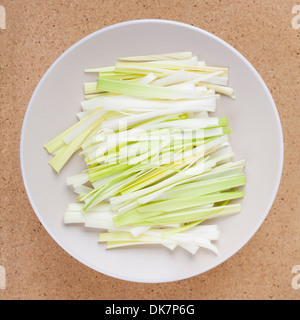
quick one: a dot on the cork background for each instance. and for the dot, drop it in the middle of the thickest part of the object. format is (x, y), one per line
(37, 33)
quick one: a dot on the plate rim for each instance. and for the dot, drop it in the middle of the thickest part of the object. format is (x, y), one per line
(281, 147)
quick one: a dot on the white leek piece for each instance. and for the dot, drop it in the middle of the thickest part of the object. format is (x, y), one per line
(192, 61)
(125, 102)
(157, 57)
(145, 91)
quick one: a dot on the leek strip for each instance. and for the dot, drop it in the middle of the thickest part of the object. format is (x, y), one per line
(177, 77)
(123, 236)
(102, 181)
(83, 126)
(104, 168)
(82, 115)
(73, 218)
(108, 172)
(191, 216)
(119, 103)
(199, 123)
(132, 216)
(93, 103)
(188, 86)
(103, 207)
(118, 244)
(118, 67)
(144, 70)
(58, 161)
(192, 61)
(158, 57)
(176, 137)
(189, 190)
(120, 76)
(148, 78)
(184, 228)
(58, 142)
(208, 232)
(92, 96)
(145, 91)
(210, 79)
(91, 88)
(178, 204)
(102, 69)
(78, 179)
(196, 79)
(142, 239)
(60, 151)
(218, 173)
(130, 121)
(220, 89)
(80, 190)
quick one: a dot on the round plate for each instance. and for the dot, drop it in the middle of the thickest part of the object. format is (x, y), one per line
(256, 137)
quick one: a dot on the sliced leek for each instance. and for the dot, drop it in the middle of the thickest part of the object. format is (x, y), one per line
(158, 164)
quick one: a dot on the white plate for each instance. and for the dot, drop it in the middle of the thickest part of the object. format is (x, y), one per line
(256, 136)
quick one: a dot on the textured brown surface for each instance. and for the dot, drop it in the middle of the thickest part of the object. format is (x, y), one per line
(37, 33)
